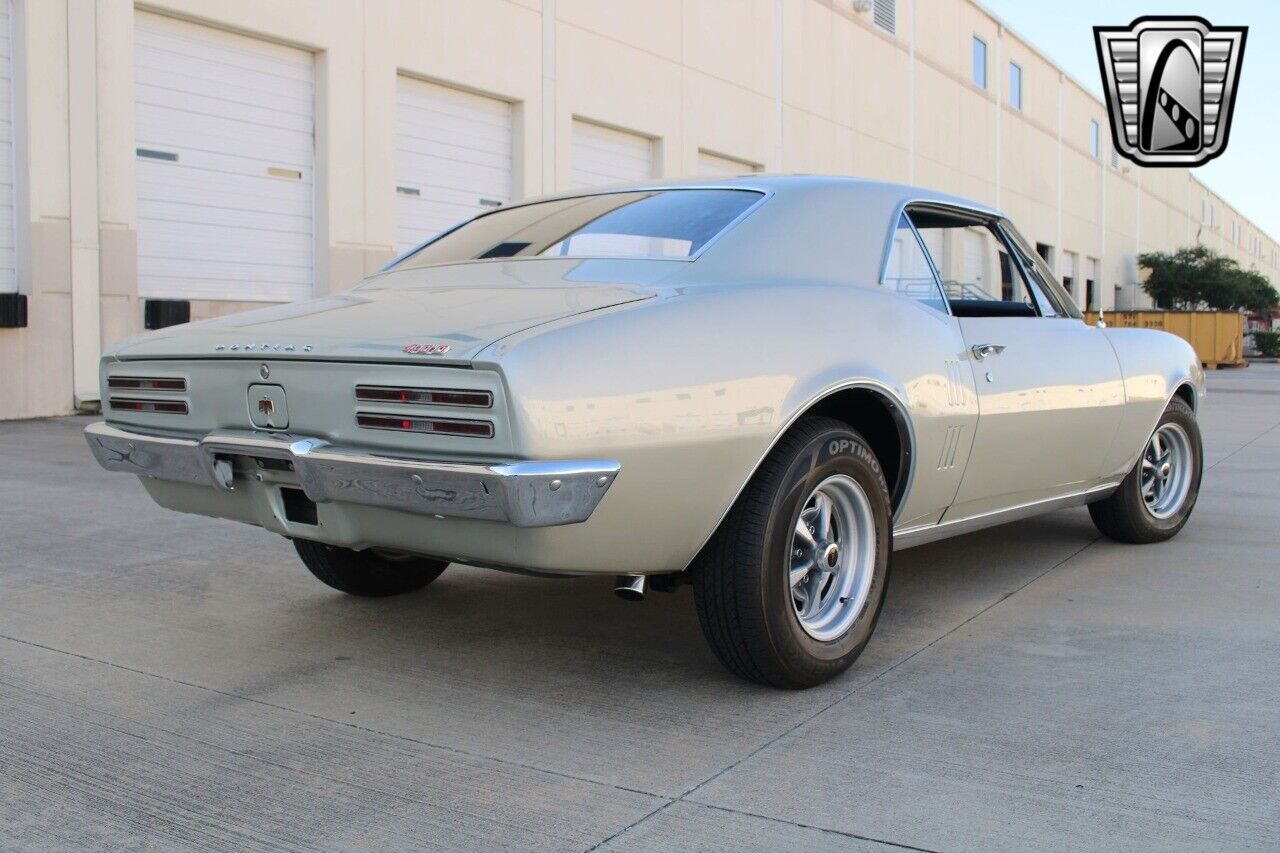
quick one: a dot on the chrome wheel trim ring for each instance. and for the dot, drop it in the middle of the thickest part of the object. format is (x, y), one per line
(1164, 480)
(832, 558)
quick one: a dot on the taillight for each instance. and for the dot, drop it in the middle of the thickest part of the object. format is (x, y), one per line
(437, 426)
(424, 396)
(129, 404)
(146, 383)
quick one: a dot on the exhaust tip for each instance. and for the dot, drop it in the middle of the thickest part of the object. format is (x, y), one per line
(629, 587)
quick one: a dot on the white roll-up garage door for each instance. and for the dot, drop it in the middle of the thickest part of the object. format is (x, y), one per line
(225, 139)
(602, 155)
(973, 270)
(8, 266)
(718, 166)
(453, 157)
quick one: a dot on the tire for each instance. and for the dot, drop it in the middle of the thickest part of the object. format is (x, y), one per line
(749, 611)
(366, 573)
(1136, 512)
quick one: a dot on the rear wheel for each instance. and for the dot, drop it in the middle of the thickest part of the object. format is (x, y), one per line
(367, 573)
(790, 587)
(1156, 499)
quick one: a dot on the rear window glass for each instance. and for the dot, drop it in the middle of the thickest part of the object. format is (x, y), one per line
(643, 224)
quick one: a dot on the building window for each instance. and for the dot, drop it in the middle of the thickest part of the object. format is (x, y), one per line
(979, 63)
(1015, 85)
(1094, 139)
(1115, 159)
(1045, 251)
(885, 15)
(1204, 211)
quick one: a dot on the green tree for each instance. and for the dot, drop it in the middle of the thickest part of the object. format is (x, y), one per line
(1198, 277)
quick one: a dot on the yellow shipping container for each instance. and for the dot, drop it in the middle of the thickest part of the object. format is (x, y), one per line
(1217, 336)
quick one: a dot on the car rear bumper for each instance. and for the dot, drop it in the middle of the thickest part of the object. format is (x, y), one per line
(524, 494)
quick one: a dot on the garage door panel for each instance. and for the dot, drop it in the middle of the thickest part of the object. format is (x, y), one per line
(159, 87)
(173, 69)
(461, 203)
(287, 117)
(443, 139)
(199, 215)
(267, 286)
(217, 209)
(164, 127)
(453, 149)
(214, 223)
(440, 102)
(418, 124)
(284, 246)
(421, 154)
(450, 174)
(238, 192)
(190, 162)
(282, 281)
(602, 155)
(222, 269)
(215, 51)
(270, 248)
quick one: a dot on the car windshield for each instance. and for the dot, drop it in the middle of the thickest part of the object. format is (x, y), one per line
(673, 223)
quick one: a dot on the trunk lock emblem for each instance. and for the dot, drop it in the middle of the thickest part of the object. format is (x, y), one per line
(264, 371)
(268, 408)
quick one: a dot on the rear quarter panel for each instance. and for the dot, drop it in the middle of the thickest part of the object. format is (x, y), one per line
(690, 390)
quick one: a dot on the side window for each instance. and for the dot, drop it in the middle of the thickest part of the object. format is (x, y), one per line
(907, 270)
(979, 276)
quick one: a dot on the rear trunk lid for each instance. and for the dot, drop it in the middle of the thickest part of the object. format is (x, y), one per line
(440, 314)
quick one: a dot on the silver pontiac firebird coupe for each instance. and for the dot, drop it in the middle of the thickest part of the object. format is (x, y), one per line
(760, 386)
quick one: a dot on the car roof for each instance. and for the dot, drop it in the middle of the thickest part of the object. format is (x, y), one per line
(886, 192)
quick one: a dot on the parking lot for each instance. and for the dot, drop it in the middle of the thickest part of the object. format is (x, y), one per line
(174, 681)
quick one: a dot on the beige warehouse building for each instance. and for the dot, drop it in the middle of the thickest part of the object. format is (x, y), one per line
(213, 155)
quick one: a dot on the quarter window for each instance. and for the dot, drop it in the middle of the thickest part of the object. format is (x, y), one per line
(907, 270)
(979, 62)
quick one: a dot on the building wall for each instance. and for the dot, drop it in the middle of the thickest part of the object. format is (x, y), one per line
(782, 85)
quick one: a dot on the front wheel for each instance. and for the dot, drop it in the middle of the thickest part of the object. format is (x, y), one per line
(1156, 498)
(790, 587)
(367, 573)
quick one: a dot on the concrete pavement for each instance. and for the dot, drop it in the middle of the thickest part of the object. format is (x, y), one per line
(173, 681)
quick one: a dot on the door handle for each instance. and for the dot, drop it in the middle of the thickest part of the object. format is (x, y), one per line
(981, 351)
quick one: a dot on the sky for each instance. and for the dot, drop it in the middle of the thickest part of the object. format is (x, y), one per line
(1247, 174)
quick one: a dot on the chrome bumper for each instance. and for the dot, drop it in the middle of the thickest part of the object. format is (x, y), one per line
(525, 494)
